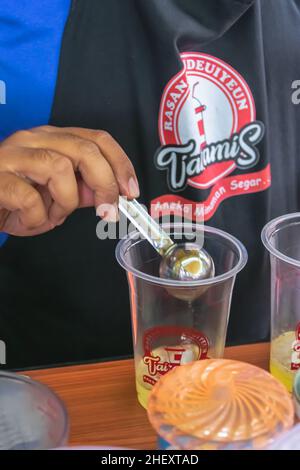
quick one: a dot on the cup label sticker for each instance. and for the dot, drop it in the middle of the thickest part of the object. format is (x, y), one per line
(166, 347)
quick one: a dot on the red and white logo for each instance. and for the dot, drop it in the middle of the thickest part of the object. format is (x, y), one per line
(208, 129)
(182, 345)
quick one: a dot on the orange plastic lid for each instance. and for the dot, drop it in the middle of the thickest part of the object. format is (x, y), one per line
(214, 402)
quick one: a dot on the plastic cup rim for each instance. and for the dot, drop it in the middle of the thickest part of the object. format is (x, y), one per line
(242, 253)
(270, 229)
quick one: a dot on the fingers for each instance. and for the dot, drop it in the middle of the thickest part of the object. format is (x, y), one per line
(46, 168)
(83, 142)
(87, 159)
(18, 195)
(117, 158)
(105, 169)
(86, 195)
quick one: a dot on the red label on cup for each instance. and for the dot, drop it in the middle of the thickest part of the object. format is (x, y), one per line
(166, 347)
(295, 362)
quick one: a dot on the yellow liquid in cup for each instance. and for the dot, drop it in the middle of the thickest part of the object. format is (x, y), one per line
(280, 362)
(143, 389)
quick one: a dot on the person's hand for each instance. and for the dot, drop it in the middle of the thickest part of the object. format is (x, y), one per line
(47, 172)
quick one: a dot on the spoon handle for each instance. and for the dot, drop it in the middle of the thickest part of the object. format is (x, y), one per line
(147, 226)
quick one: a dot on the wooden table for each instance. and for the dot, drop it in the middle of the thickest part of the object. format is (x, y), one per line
(102, 404)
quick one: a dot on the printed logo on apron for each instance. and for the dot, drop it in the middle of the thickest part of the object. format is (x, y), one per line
(208, 129)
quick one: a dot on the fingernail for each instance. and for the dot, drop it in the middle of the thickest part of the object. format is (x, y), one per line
(133, 188)
(60, 221)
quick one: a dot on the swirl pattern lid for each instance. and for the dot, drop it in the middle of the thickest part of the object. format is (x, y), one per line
(215, 402)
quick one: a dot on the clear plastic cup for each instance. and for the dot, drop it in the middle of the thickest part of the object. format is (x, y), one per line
(281, 237)
(32, 416)
(175, 322)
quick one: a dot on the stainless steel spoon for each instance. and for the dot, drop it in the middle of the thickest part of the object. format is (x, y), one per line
(182, 261)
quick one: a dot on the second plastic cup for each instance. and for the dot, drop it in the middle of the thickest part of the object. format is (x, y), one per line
(32, 417)
(175, 322)
(282, 239)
